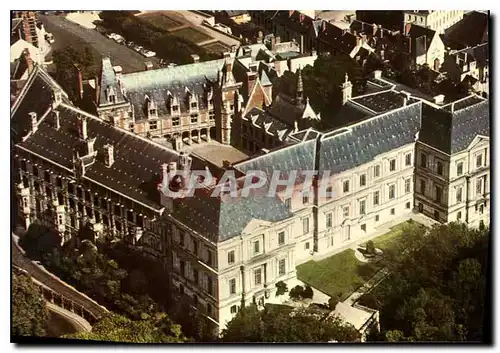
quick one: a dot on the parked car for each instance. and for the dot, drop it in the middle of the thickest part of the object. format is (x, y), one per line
(148, 53)
(171, 65)
(138, 48)
(130, 44)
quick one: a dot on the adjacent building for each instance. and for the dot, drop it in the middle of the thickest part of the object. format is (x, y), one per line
(436, 20)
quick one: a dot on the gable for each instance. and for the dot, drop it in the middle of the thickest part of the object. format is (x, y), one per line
(255, 225)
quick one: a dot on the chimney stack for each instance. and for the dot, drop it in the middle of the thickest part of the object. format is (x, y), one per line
(34, 122)
(273, 43)
(56, 98)
(164, 173)
(29, 60)
(196, 58)
(80, 82)
(172, 167)
(109, 155)
(439, 99)
(377, 74)
(149, 65)
(185, 161)
(82, 127)
(90, 146)
(57, 119)
(251, 77)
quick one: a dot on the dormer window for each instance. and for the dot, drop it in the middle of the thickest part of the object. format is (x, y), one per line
(111, 95)
(193, 105)
(175, 108)
(151, 108)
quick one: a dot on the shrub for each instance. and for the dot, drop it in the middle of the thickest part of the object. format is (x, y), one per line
(334, 300)
(307, 293)
(281, 288)
(296, 292)
(370, 247)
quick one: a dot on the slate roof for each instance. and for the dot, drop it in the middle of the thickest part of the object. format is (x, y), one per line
(233, 13)
(264, 118)
(355, 145)
(221, 220)
(285, 111)
(298, 157)
(460, 34)
(452, 132)
(157, 84)
(382, 101)
(34, 97)
(421, 38)
(350, 113)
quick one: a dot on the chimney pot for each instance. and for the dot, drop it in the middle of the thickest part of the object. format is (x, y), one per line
(34, 121)
(439, 99)
(377, 73)
(149, 65)
(82, 127)
(57, 119)
(109, 155)
(196, 58)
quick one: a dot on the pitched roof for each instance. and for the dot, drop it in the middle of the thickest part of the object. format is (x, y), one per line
(421, 39)
(354, 145)
(453, 131)
(460, 34)
(381, 102)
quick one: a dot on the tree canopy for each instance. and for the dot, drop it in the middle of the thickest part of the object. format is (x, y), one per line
(436, 289)
(29, 314)
(118, 328)
(279, 323)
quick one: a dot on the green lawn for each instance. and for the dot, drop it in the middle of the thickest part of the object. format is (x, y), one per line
(338, 273)
(386, 240)
(191, 35)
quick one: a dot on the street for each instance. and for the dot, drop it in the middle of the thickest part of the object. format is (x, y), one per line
(69, 33)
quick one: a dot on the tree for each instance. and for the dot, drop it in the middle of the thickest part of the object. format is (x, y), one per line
(118, 328)
(281, 288)
(280, 323)
(29, 314)
(437, 285)
(296, 292)
(370, 247)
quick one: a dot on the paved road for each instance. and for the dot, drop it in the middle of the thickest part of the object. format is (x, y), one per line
(69, 33)
(23, 262)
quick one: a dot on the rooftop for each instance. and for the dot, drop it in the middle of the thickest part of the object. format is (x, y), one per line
(383, 101)
(217, 153)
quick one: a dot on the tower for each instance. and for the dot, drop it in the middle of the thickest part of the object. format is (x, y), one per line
(346, 90)
(299, 94)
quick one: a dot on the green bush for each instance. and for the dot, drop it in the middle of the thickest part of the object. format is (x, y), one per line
(307, 293)
(370, 247)
(281, 288)
(296, 292)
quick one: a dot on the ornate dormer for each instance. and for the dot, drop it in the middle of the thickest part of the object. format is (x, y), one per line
(191, 100)
(111, 94)
(210, 98)
(151, 108)
(346, 90)
(56, 98)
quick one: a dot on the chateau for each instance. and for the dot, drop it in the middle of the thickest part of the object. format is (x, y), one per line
(396, 154)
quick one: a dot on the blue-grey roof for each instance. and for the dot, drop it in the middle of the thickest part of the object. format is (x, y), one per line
(383, 101)
(469, 122)
(108, 79)
(452, 132)
(355, 145)
(221, 219)
(298, 157)
(157, 84)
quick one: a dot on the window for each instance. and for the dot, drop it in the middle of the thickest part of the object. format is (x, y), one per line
(209, 309)
(288, 202)
(176, 121)
(211, 115)
(408, 159)
(459, 216)
(257, 276)
(479, 186)
(307, 246)
(282, 267)
(408, 185)
(183, 268)
(210, 286)
(256, 247)
(193, 105)
(363, 227)
(305, 199)
(436, 215)
(329, 220)
(481, 209)
(439, 168)
(195, 245)
(479, 160)
(392, 165)
(392, 191)
(305, 225)
(362, 207)
(175, 108)
(423, 160)
(460, 168)
(393, 211)
(459, 194)
(345, 211)
(422, 187)
(329, 191)
(234, 309)
(438, 191)
(376, 196)
(362, 180)
(209, 257)
(232, 286)
(195, 276)
(231, 107)
(376, 171)
(281, 238)
(346, 186)
(377, 217)
(194, 118)
(230, 257)
(408, 205)
(181, 236)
